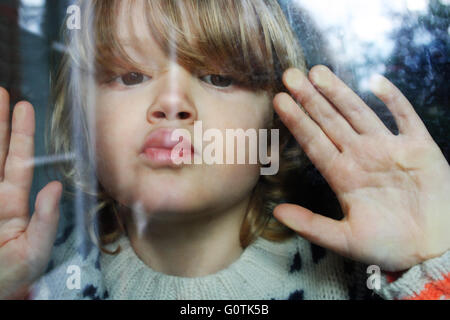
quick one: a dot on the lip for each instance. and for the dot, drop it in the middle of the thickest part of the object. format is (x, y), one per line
(158, 147)
(160, 138)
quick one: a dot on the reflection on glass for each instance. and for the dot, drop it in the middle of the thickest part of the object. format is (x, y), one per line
(406, 41)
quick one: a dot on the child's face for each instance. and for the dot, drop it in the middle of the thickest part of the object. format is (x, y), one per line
(126, 114)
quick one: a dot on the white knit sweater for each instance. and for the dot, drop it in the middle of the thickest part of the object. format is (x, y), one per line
(294, 269)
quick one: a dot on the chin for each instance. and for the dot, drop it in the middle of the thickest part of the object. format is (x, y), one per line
(167, 198)
(176, 211)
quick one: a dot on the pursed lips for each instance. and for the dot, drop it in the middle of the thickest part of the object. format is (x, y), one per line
(159, 145)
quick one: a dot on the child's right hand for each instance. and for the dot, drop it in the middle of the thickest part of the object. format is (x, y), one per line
(25, 244)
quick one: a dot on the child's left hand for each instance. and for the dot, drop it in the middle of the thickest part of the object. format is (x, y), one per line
(394, 190)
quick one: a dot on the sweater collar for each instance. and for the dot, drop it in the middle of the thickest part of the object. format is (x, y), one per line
(126, 276)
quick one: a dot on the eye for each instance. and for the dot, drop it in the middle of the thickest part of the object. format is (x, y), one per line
(218, 80)
(132, 79)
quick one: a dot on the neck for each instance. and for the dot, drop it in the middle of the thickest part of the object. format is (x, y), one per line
(197, 247)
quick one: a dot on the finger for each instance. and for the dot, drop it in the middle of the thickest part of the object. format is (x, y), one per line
(41, 231)
(326, 116)
(323, 231)
(360, 116)
(4, 130)
(308, 134)
(406, 118)
(18, 170)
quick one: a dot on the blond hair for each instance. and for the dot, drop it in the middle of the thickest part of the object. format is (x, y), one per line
(251, 40)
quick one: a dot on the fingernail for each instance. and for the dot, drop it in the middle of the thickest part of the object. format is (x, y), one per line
(321, 77)
(293, 78)
(288, 221)
(284, 103)
(378, 84)
(47, 205)
(19, 112)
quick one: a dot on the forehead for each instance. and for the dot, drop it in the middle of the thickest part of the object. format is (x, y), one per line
(136, 33)
(131, 22)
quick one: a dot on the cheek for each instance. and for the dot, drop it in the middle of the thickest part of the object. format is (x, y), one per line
(238, 180)
(115, 146)
(251, 112)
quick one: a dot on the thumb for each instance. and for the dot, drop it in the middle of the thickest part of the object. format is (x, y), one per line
(318, 229)
(41, 231)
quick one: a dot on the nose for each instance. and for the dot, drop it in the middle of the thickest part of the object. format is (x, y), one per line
(173, 100)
